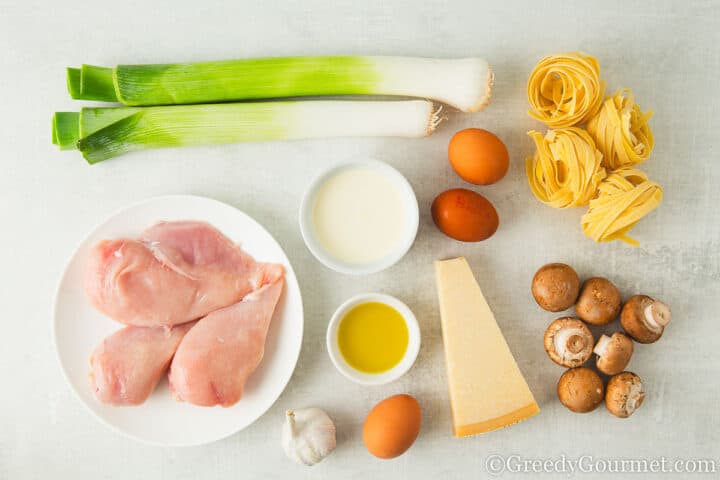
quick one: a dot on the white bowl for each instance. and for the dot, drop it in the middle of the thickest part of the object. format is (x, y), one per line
(373, 378)
(411, 207)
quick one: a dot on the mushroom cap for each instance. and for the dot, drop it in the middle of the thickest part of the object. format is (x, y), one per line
(634, 322)
(568, 342)
(624, 394)
(555, 287)
(613, 353)
(599, 302)
(580, 389)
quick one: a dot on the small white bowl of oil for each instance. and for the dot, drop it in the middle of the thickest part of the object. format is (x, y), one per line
(373, 339)
(359, 217)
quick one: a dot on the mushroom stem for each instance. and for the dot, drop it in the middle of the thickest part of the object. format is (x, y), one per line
(625, 394)
(569, 342)
(635, 397)
(575, 343)
(657, 315)
(601, 349)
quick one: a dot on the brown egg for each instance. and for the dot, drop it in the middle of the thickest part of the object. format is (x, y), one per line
(392, 426)
(464, 215)
(478, 156)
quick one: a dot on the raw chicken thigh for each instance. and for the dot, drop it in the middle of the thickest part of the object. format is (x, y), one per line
(216, 357)
(126, 366)
(176, 272)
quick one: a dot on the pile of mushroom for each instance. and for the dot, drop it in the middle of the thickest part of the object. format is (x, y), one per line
(570, 343)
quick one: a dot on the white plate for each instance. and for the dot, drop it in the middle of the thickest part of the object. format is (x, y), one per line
(78, 328)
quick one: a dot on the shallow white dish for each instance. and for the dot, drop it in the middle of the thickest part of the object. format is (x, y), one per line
(411, 207)
(373, 378)
(78, 328)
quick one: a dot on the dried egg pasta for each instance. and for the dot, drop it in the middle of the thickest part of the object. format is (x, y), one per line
(624, 197)
(565, 89)
(621, 131)
(566, 169)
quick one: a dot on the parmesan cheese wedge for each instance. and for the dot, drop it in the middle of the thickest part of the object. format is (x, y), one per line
(487, 389)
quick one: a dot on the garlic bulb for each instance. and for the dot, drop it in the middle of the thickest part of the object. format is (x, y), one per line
(308, 435)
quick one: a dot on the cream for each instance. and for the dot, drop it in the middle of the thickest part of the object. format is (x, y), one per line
(359, 216)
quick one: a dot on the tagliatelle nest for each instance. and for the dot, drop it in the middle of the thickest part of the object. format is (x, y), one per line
(566, 169)
(565, 89)
(621, 131)
(624, 197)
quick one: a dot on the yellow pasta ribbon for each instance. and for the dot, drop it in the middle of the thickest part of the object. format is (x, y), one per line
(565, 89)
(621, 131)
(566, 169)
(624, 197)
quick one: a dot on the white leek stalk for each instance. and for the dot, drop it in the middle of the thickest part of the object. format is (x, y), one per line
(102, 135)
(464, 83)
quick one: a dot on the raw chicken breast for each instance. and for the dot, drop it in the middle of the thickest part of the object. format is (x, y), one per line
(127, 365)
(176, 272)
(216, 358)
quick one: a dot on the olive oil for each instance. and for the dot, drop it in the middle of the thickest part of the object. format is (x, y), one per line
(373, 337)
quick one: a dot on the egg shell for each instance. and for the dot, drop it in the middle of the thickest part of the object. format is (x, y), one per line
(478, 156)
(465, 215)
(392, 426)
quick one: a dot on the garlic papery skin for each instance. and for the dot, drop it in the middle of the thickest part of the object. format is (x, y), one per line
(308, 435)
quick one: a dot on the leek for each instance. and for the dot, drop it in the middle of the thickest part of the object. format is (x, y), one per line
(104, 133)
(65, 130)
(462, 83)
(69, 127)
(93, 119)
(74, 79)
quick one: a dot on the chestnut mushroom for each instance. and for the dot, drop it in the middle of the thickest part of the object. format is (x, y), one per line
(613, 353)
(580, 389)
(599, 301)
(568, 342)
(644, 318)
(624, 394)
(555, 287)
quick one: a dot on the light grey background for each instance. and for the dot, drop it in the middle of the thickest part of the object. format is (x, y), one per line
(666, 52)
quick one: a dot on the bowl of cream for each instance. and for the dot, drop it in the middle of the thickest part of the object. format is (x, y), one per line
(359, 217)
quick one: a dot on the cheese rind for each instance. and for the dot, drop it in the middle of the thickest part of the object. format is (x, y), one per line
(487, 389)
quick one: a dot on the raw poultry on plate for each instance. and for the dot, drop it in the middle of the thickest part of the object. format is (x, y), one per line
(218, 355)
(175, 273)
(127, 366)
(177, 277)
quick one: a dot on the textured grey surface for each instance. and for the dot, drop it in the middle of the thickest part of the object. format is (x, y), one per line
(667, 53)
